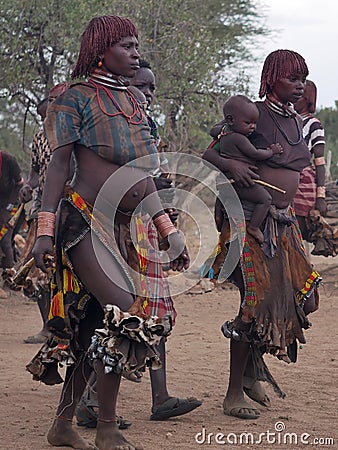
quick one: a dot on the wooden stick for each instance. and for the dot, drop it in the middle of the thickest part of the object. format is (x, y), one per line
(264, 183)
(271, 186)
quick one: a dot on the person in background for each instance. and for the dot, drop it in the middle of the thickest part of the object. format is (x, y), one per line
(11, 181)
(40, 158)
(311, 190)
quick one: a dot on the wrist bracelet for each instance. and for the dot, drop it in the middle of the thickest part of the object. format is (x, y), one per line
(321, 191)
(320, 161)
(9, 207)
(164, 225)
(46, 224)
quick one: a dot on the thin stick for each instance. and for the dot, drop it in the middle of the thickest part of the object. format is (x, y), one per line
(264, 183)
(271, 186)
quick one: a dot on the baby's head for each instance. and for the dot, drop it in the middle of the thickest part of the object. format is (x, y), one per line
(241, 114)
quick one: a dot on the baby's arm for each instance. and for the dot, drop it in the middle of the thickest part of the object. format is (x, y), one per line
(258, 154)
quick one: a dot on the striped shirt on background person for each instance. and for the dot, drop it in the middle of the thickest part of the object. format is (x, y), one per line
(305, 198)
(313, 131)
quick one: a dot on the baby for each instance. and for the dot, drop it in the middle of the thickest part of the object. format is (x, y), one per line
(240, 118)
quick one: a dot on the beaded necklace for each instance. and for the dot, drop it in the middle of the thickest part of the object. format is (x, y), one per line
(272, 107)
(104, 81)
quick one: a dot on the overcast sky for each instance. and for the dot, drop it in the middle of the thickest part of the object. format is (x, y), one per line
(310, 27)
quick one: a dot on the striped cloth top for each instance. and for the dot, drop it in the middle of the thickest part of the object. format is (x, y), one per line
(313, 131)
(84, 117)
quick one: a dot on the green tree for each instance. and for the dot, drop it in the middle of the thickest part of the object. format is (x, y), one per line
(329, 120)
(198, 51)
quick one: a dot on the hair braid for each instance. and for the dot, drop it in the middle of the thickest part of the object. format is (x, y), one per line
(101, 33)
(280, 64)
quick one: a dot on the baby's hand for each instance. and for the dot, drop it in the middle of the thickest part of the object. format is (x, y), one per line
(277, 149)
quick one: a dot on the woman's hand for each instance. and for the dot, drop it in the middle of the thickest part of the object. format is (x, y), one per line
(43, 247)
(242, 173)
(321, 205)
(178, 254)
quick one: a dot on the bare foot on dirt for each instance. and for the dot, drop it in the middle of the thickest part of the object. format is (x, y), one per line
(108, 437)
(63, 434)
(256, 233)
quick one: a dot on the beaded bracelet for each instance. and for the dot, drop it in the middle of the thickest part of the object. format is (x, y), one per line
(321, 191)
(320, 161)
(164, 225)
(46, 224)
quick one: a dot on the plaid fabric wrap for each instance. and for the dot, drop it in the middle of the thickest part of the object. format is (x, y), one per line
(155, 288)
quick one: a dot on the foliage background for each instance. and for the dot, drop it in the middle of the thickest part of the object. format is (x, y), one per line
(199, 51)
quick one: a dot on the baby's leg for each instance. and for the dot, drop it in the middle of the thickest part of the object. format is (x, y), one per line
(262, 200)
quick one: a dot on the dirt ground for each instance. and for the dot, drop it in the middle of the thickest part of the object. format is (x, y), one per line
(198, 365)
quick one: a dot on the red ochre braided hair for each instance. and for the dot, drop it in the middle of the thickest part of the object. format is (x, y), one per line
(310, 95)
(101, 33)
(281, 64)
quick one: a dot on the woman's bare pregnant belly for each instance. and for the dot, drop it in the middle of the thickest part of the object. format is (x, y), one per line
(95, 176)
(282, 178)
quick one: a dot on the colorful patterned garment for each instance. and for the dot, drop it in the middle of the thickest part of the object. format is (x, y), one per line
(76, 117)
(287, 276)
(305, 198)
(155, 288)
(71, 301)
(146, 275)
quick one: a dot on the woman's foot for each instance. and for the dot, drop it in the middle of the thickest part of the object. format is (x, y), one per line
(108, 437)
(255, 391)
(238, 407)
(62, 434)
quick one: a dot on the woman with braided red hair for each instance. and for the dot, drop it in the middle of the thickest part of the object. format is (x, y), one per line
(276, 281)
(98, 306)
(311, 189)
